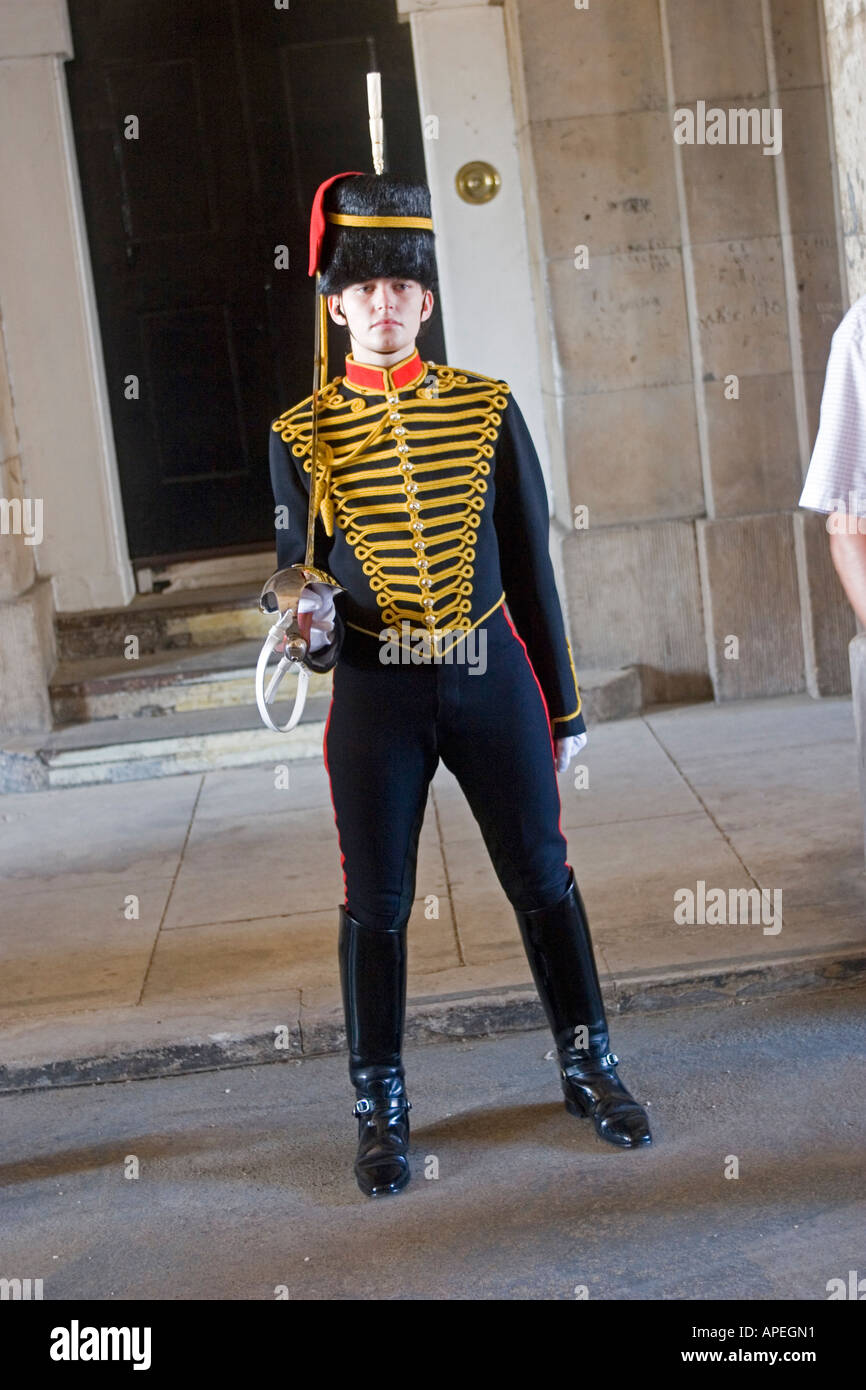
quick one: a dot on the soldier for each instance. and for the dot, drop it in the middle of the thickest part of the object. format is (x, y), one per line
(431, 513)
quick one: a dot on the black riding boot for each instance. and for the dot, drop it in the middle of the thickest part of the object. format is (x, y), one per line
(373, 977)
(559, 948)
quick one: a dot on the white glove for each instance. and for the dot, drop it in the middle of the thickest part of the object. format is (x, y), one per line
(318, 599)
(566, 749)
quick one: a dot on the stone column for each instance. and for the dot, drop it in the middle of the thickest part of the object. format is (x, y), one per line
(762, 271)
(64, 441)
(598, 134)
(845, 57)
(857, 653)
(26, 607)
(490, 304)
(845, 22)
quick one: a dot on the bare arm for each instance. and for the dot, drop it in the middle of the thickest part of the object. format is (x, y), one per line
(848, 553)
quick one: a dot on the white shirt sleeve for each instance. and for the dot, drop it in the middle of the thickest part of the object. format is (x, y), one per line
(836, 479)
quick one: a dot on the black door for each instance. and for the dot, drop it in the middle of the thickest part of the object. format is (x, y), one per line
(241, 109)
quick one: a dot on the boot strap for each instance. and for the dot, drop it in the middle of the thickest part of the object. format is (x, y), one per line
(365, 1107)
(606, 1060)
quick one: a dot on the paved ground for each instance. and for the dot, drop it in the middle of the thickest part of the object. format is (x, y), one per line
(169, 921)
(245, 1175)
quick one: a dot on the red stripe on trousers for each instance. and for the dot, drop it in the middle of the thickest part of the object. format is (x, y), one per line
(331, 790)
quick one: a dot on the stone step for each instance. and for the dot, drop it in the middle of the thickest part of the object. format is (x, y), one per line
(174, 682)
(220, 677)
(163, 622)
(136, 747)
(609, 695)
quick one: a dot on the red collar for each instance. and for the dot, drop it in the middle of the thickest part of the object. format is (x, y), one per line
(384, 379)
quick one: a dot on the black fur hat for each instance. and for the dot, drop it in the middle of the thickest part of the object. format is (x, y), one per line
(352, 254)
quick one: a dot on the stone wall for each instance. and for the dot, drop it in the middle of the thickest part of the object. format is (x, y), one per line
(705, 262)
(27, 653)
(846, 63)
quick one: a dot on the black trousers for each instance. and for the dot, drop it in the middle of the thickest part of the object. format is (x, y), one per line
(388, 726)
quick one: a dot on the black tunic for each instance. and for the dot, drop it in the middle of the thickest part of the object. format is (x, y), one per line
(436, 507)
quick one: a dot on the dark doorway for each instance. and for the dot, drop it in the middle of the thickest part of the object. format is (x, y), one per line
(242, 110)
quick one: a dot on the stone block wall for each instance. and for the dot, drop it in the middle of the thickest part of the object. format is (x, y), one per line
(27, 650)
(846, 62)
(705, 262)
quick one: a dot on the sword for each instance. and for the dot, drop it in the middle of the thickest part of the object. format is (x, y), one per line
(282, 592)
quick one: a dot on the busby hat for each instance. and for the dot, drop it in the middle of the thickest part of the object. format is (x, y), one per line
(370, 225)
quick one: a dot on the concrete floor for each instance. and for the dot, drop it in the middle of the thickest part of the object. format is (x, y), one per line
(153, 920)
(245, 1175)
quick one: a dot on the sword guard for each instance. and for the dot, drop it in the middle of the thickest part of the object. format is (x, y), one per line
(282, 594)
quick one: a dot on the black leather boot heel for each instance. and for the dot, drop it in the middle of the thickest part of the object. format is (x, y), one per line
(559, 949)
(373, 979)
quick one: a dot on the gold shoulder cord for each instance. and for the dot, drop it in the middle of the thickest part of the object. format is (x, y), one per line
(290, 431)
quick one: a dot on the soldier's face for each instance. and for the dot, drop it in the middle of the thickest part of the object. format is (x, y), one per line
(383, 316)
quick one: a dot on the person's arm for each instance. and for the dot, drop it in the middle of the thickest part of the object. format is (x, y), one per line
(848, 553)
(522, 526)
(836, 480)
(291, 503)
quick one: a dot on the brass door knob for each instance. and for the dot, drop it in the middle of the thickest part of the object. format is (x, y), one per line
(478, 181)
